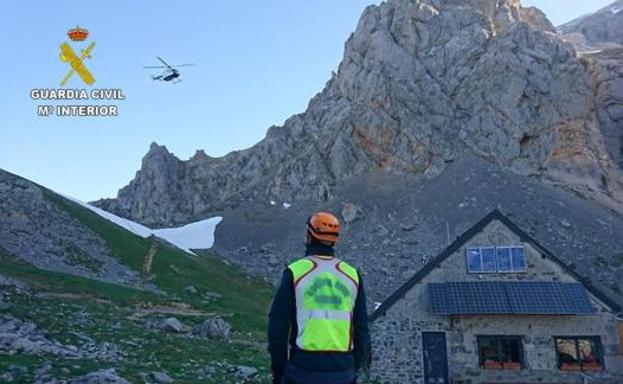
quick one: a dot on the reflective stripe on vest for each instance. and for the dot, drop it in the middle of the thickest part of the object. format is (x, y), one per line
(325, 291)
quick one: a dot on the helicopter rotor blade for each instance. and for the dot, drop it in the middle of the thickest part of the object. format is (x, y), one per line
(183, 65)
(163, 62)
(155, 66)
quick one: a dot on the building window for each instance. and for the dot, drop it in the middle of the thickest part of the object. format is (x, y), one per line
(579, 353)
(481, 259)
(500, 352)
(496, 259)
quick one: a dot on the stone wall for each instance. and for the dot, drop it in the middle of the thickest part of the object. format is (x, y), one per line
(398, 342)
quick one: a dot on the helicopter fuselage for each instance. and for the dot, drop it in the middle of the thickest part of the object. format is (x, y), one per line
(171, 76)
(170, 73)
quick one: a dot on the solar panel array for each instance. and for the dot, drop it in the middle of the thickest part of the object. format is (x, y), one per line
(551, 298)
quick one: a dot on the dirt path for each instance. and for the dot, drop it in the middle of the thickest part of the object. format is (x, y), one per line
(149, 256)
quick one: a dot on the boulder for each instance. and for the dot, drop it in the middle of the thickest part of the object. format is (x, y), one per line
(104, 376)
(243, 372)
(191, 289)
(214, 328)
(351, 212)
(162, 377)
(172, 324)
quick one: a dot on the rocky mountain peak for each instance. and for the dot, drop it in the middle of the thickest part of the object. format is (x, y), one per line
(158, 152)
(200, 154)
(603, 26)
(159, 164)
(421, 84)
(501, 13)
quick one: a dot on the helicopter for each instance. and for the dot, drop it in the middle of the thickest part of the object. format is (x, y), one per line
(170, 73)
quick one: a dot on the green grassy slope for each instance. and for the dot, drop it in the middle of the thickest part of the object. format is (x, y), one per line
(118, 314)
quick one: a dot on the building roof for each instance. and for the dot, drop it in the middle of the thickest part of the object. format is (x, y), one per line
(463, 239)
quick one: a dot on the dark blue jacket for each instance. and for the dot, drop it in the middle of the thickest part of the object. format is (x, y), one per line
(282, 330)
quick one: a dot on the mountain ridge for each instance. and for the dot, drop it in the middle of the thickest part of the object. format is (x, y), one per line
(421, 83)
(601, 26)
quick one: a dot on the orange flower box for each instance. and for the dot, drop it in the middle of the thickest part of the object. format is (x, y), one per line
(512, 366)
(570, 367)
(489, 364)
(593, 367)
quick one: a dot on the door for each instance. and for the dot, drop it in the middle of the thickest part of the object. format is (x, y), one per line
(435, 358)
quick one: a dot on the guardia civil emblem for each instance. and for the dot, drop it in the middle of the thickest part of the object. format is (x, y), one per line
(75, 61)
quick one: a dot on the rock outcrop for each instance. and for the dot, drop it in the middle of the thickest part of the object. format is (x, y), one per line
(34, 228)
(606, 68)
(19, 336)
(598, 38)
(421, 84)
(603, 26)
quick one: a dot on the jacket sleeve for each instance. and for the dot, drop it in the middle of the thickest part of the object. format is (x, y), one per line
(362, 348)
(279, 323)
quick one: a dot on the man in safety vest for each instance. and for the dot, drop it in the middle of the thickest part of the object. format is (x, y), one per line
(320, 311)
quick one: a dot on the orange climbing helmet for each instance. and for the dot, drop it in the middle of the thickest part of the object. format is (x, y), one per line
(323, 226)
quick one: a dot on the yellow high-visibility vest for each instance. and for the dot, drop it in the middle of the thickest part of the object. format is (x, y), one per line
(325, 291)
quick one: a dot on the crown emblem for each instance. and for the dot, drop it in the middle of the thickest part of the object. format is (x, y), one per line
(78, 34)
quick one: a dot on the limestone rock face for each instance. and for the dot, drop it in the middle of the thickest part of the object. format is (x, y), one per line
(606, 68)
(598, 38)
(536, 18)
(421, 83)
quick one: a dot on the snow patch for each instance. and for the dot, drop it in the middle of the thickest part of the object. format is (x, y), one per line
(286, 205)
(616, 10)
(591, 52)
(134, 227)
(197, 235)
(272, 202)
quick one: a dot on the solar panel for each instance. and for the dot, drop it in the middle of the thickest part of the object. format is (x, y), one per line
(509, 297)
(548, 298)
(478, 297)
(468, 298)
(438, 298)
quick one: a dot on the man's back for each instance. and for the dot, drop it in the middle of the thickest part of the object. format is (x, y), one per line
(318, 323)
(333, 301)
(325, 290)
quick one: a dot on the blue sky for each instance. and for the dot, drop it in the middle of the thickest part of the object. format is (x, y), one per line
(257, 63)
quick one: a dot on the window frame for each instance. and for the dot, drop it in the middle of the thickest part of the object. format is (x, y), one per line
(510, 255)
(576, 339)
(499, 338)
(467, 259)
(525, 259)
(510, 249)
(467, 250)
(495, 253)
